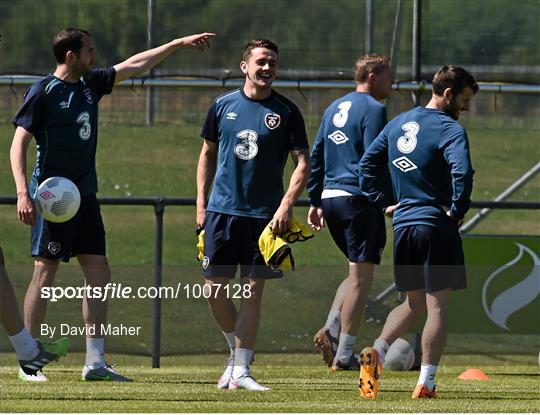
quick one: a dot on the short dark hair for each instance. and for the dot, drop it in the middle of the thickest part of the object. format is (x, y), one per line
(70, 39)
(258, 43)
(454, 77)
(367, 64)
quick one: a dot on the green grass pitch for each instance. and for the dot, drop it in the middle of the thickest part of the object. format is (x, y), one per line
(299, 384)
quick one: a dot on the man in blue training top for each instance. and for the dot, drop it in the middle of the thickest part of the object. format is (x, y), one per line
(427, 152)
(349, 126)
(248, 134)
(61, 112)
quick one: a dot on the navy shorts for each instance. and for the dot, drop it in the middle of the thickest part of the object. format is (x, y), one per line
(428, 258)
(230, 241)
(356, 226)
(82, 234)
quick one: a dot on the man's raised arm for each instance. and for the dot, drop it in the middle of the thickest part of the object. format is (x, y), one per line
(144, 61)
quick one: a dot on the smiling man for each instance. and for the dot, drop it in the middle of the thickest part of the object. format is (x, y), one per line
(248, 134)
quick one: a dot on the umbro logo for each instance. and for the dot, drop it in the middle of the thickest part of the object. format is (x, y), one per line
(338, 137)
(65, 104)
(232, 115)
(404, 164)
(47, 195)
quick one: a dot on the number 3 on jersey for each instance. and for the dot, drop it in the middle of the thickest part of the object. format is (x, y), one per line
(340, 118)
(407, 142)
(86, 130)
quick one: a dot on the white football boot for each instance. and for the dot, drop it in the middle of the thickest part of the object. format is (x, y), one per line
(223, 382)
(246, 381)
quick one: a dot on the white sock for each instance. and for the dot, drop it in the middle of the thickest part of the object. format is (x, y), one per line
(382, 347)
(333, 322)
(427, 375)
(95, 355)
(345, 347)
(231, 341)
(24, 344)
(242, 359)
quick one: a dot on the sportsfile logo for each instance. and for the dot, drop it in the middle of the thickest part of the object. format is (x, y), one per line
(516, 297)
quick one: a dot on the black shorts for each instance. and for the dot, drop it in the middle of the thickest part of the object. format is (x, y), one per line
(82, 234)
(356, 226)
(230, 241)
(428, 258)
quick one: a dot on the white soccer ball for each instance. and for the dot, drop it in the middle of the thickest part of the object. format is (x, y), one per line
(58, 199)
(400, 356)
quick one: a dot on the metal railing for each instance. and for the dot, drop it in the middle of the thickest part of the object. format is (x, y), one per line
(21, 80)
(159, 204)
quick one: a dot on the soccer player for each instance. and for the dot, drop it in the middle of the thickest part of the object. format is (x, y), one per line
(61, 112)
(427, 151)
(348, 127)
(32, 354)
(248, 134)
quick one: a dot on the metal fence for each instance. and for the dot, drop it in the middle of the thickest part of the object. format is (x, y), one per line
(159, 204)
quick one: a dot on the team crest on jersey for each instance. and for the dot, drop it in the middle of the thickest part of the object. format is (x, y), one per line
(247, 148)
(205, 262)
(88, 95)
(53, 247)
(272, 121)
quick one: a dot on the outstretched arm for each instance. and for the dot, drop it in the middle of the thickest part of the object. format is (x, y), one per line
(142, 62)
(26, 211)
(282, 217)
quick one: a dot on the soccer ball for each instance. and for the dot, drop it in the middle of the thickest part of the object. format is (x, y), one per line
(400, 356)
(58, 199)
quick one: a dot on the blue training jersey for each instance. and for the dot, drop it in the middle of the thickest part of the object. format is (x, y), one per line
(349, 126)
(428, 155)
(63, 118)
(253, 138)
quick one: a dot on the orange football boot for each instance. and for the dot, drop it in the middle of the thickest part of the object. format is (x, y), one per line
(370, 371)
(422, 391)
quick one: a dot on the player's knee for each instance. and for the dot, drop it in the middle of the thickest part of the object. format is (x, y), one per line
(360, 280)
(437, 311)
(45, 272)
(416, 305)
(255, 294)
(214, 292)
(98, 277)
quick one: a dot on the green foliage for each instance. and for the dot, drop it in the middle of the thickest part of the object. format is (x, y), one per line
(312, 34)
